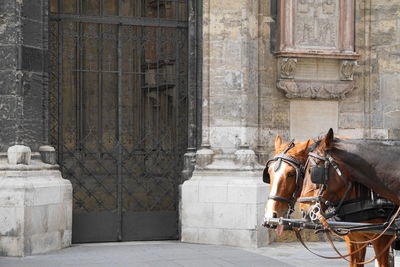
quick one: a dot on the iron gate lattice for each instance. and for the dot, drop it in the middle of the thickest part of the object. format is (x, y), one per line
(118, 113)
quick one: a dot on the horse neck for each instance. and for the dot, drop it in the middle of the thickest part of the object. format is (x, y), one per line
(372, 165)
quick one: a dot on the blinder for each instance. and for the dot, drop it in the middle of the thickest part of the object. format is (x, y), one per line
(266, 177)
(318, 174)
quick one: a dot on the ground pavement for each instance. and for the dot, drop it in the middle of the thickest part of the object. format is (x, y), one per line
(176, 254)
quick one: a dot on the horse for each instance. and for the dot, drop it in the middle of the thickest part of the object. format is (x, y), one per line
(284, 173)
(350, 176)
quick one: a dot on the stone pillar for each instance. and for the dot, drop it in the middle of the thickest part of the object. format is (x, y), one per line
(35, 202)
(23, 73)
(223, 202)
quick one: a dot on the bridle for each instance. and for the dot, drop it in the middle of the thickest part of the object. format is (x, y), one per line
(320, 175)
(297, 165)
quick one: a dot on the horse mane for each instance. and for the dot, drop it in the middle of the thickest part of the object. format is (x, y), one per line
(373, 163)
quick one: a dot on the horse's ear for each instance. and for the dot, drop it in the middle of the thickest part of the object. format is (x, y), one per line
(328, 139)
(307, 145)
(278, 142)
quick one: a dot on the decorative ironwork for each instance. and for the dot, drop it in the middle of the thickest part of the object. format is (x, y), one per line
(118, 111)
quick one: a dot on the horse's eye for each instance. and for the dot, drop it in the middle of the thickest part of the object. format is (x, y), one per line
(291, 174)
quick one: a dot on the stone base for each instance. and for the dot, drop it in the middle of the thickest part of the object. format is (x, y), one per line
(224, 207)
(35, 208)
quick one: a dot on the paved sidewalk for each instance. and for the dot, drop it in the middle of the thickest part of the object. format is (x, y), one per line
(175, 253)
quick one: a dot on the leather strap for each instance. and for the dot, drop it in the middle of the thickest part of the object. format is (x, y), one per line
(300, 239)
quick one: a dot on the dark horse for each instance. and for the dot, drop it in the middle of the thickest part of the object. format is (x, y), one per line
(375, 165)
(335, 169)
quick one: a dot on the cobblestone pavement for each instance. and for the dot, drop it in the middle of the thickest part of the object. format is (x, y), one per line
(175, 253)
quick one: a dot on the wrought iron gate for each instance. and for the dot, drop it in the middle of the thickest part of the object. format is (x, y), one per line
(118, 113)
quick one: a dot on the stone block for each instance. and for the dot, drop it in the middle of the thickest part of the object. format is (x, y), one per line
(14, 245)
(36, 220)
(66, 238)
(235, 216)
(34, 208)
(351, 120)
(9, 82)
(246, 238)
(32, 32)
(8, 55)
(33, 10)
(213, 236)
(239, 193)
(218, 210)
(190, 193)
(44, 195)
(10, 197)
(68, 218)
(56, 218)
(197, 214)
(11, 221)
(42, 243)
(228, 139)
(213, 192)
(352, 133)
(312, 118)
(19, 154)
(48, 154)
(379, 134)
(190, 234)
(32, 59)
(9, 111)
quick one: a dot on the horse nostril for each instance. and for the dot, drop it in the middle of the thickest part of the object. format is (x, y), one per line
(274, 215)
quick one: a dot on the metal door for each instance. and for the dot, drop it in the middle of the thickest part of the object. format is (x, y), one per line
(118, 113)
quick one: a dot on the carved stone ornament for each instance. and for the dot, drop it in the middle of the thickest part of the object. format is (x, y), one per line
(347, 70)
(316, 48)
(316, 28)
(315, 89)
(287, 68)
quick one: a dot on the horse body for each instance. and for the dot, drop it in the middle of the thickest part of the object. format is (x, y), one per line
(358, 162)
(377, 166)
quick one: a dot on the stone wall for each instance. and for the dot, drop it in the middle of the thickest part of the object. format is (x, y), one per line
(274, 106)
(23, 77)
(372, 109)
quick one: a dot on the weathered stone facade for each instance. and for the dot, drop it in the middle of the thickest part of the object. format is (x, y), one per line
(23, 73)
(35, 202)
(357, 78)
(370, 110)
(250, 94)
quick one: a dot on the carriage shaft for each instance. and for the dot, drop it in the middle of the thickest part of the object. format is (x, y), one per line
(289, 224)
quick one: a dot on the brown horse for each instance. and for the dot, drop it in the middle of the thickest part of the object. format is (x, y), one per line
(336, 183)
(285, 176)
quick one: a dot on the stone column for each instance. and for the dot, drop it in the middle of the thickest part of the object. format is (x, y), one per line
(23, 73)
(35, 201)
(223, 202)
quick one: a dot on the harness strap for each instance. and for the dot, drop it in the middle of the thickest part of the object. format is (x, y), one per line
(300, 239)
(389, 224)
(283, 199)
(278, 164)
(363, 246)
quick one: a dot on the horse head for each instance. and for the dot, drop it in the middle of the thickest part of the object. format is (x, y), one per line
(284, 173)
(324, 183)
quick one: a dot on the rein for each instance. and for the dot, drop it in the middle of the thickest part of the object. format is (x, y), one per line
(297, 165)
(316, 213)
